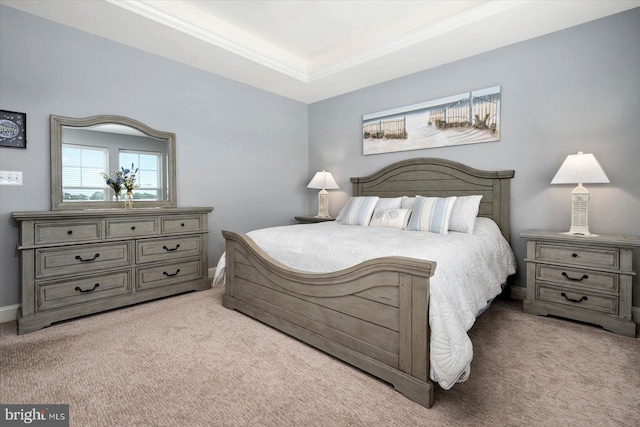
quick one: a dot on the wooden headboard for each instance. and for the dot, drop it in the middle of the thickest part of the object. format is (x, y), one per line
(431, 177)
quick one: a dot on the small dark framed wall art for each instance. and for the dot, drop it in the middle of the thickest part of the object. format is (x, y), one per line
(13, 129)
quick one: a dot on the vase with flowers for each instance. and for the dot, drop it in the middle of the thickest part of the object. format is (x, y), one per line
(124, 178)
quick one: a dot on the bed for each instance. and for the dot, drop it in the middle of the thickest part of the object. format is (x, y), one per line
(375, 314)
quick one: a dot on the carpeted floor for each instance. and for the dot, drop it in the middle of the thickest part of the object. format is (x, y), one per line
(187, 361)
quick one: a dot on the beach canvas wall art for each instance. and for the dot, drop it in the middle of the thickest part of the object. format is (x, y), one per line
(466, 118)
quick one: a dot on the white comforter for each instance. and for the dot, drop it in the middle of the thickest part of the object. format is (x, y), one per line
(469, 273)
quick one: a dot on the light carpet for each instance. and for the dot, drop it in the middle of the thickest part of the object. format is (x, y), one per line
(188, 361)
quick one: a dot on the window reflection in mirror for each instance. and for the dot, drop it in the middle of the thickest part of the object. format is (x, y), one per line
(89, 152)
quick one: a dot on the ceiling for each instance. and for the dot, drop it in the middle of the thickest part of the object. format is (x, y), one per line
(313, 50)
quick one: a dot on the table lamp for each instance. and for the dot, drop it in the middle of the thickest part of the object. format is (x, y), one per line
(323, 181)
(580, 169)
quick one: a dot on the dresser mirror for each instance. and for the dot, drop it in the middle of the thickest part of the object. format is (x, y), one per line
(82, 149)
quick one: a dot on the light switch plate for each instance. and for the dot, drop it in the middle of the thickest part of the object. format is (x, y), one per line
(10, 177)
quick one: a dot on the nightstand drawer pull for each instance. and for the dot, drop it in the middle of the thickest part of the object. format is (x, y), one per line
(584, 276)
(574, 300)
(169, 275)
(88, 259)
(574, 255)
(169, 250)
(87, 290)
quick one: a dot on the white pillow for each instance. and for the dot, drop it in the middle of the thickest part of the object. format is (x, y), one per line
(407, 202)
(389, 203)
(394, 218)
(431, 214)
(358, 210)
(464, 213)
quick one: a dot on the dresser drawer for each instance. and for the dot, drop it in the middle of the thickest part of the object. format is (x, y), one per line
(168, 274)
(160, 249)
(575, 276)
(67, 231)
(132, 227)
(82, 258)
(607, 304)
(54, 295)
(182, 224)
(609, 258)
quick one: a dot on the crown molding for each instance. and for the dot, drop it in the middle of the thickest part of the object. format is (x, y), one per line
(421, 35)
(147, 11)
(299, 71)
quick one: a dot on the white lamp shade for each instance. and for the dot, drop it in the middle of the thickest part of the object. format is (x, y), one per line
(323, 181)
(580, 169)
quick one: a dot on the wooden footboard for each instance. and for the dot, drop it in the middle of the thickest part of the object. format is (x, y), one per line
(374, 316)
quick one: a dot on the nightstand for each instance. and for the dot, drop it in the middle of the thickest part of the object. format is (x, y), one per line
(585, 278)
(313, 219)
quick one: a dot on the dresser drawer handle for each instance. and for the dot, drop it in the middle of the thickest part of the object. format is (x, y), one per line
(169, 275)
(88, 259)
(87, 290)
(169, 250)
(133, 227)
(70, 232)
(574, 300)
(574, 255)
(573, 279)
(182, 225)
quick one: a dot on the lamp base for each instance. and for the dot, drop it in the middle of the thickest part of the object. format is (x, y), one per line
(579, 212)
(323, 204)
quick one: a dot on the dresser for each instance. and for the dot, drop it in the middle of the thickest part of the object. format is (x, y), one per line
(585, 278)
(74, 263)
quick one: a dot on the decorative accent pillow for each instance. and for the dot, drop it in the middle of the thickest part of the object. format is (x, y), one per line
(464, 213)
(394, 218)
(407, 202)
(431, 214)
(389, 203)
(358, 210)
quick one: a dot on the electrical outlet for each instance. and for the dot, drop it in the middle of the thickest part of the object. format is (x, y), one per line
(10, 177)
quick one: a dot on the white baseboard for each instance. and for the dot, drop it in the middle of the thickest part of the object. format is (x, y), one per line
(9, 313)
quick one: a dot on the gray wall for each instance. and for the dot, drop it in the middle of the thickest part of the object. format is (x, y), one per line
(241, 150)
(572, 90)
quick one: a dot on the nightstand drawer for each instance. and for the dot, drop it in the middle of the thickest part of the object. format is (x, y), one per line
(609, 258)
(577, 298)
(585, 278)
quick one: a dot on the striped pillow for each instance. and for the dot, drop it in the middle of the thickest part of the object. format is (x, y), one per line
(358, 210)
(431, 214)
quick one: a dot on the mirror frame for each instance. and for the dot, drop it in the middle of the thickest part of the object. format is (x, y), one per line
(57, 122)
